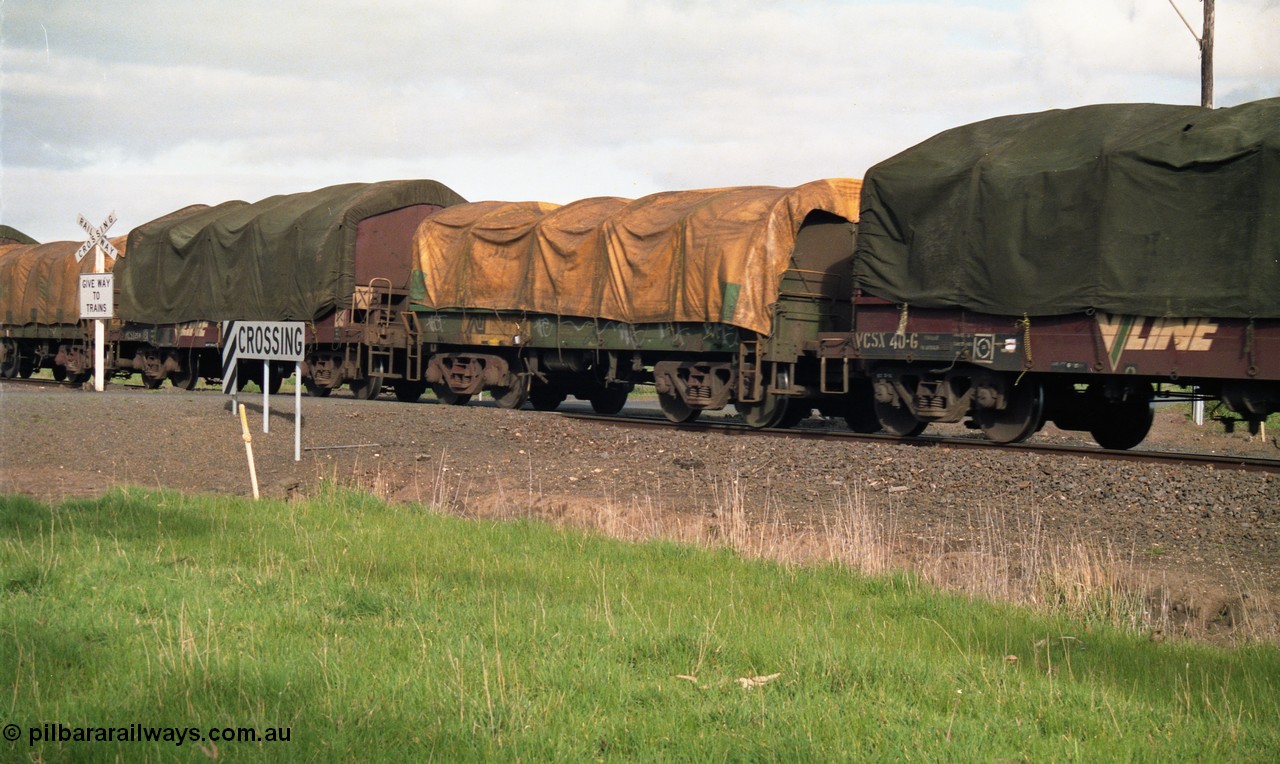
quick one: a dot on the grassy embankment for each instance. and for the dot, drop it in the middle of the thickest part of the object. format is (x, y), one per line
(390, 633)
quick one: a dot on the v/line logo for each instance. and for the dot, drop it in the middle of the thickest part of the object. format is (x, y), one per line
(1121, 333)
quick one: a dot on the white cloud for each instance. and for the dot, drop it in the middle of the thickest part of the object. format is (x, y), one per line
(146, 106)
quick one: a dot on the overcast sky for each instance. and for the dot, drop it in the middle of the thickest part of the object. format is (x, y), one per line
(146, 106)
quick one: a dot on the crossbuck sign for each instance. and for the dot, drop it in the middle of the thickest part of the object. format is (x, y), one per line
(97, 238)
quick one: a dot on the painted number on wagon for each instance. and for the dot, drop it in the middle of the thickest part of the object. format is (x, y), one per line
(881, 340)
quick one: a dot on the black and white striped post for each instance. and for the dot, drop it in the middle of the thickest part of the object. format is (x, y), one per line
(266, 341)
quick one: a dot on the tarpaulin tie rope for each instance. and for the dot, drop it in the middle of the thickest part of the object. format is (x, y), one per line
(1025, 323)
(1248, 348)
(902, 320)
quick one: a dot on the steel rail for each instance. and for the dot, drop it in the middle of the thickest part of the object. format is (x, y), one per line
(1212, 461)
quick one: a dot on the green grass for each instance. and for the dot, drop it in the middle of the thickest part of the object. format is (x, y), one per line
(386, 633)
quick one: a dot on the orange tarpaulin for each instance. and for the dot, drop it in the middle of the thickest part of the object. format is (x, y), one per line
(714, 255)
(40, 284)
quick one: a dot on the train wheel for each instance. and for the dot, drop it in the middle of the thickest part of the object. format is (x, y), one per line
(512, 397)
(1021, 417)
(449, 397)
(277, 374)
(190, 374)
(314, 390)
(610, 400)
(409, 392)
(251, 372)
(26, 367)
(1123, 425)
(59, 372)
(770, 411)
(675, 409)
(898, 421)
(546, 397)
(366, 389)
(9, 362)
(150, 382)
(766, 413)
(860, 408)
(798, 410)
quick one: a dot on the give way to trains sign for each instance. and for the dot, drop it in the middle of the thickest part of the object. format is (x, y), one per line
(266, 341)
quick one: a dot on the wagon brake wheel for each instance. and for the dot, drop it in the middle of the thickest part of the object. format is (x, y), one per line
(1019, 419)
(449, 397)
(676, 410)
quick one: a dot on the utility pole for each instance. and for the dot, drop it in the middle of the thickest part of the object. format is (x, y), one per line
(1206, 57)
(1205, 41)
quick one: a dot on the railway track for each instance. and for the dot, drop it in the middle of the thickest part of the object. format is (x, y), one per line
(36, 382)
(1212, 461)
(733, 428)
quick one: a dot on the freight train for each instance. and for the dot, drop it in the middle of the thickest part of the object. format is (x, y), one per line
(1053, 267)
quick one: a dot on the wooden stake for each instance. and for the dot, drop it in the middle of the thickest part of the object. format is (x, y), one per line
(248, 449)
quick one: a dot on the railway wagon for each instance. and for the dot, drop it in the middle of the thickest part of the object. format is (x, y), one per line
(40, 324)
(338, 258)
(1062, 266)
(713, 296)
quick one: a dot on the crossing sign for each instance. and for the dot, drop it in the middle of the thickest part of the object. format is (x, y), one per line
(268, 341)
(97, 237)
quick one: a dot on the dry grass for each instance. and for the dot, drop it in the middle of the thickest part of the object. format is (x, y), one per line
(984, 558)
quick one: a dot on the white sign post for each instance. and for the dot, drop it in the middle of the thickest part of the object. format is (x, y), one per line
(266, 341)
(101, 309)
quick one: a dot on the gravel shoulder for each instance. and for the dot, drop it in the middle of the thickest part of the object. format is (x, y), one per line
(1202, 544)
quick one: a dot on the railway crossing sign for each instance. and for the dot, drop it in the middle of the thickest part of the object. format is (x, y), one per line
(92, 302)
(97, 238)
(266, 341)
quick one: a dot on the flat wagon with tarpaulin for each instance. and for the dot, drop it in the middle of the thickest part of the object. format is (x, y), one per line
(338, 259)
(40, 325)
(1060, 266)
(714, 296)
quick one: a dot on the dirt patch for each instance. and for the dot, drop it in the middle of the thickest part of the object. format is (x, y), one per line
(1201, 546)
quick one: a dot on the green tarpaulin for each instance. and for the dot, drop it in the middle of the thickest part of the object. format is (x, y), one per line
(1128, 208)
(288, 257)
(11, 235)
